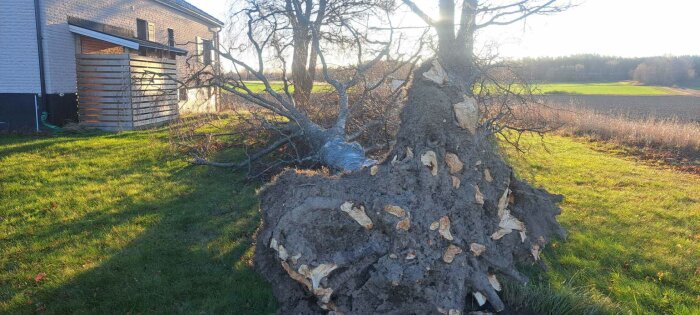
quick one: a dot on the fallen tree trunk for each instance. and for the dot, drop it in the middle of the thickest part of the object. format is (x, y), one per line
(327, 146)
(430, 230)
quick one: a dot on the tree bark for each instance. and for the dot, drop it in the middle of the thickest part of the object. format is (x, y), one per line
(456, 48)
(302, 75)
(304, 57)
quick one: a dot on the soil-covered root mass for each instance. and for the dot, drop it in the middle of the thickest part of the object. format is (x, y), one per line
(430, 230)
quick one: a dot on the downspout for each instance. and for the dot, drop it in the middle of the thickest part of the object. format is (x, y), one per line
(40, 48)
(219, 69)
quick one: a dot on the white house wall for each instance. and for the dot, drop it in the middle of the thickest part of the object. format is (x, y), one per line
(200, 100)
(59, 43)
(19, 64)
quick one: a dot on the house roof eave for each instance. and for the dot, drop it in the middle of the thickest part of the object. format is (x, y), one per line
(103, 36)
(133, 43)
(197, 13)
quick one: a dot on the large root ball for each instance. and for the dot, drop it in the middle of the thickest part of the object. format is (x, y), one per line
(431, 230)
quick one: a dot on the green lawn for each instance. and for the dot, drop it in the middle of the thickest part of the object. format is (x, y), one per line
(119, 225)
(278, 86)
(634, 230)
(614, 88)
(606, 88)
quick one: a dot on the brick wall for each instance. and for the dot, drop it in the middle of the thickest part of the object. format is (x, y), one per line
(59, 43)
(93, 46)
(19, 64)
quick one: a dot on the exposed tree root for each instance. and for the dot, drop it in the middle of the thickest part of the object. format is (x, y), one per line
(430, 230)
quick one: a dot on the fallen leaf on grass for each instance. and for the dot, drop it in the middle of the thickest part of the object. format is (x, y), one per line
(39, 277)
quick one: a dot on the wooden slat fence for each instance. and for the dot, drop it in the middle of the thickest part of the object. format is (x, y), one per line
(126, 92)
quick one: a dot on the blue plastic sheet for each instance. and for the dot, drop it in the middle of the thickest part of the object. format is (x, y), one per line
(344, 156)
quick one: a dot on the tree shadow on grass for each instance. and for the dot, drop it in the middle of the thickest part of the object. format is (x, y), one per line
(28, 144)
(190, 256)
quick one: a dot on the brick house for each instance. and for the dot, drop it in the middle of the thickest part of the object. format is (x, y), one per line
(65, 58)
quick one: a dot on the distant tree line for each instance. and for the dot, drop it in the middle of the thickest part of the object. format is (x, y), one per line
(594, 68)
(667, 71)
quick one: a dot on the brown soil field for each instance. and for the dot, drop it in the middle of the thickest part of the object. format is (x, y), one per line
(681, 107)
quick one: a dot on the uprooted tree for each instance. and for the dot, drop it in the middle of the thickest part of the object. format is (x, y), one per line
(432, 228)
(279, 35)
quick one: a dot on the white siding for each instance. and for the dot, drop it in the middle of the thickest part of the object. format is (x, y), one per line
(19, 64)
(59, 43)
(201, 100)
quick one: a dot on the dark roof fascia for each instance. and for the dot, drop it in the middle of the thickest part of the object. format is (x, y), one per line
(191, 10)
(159, 46)
(101, 27)
(141, 42)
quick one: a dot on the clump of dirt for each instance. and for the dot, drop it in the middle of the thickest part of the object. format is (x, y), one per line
(430, 230)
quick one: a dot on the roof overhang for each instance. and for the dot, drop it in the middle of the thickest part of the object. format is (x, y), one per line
(134, 43)
(103, 37)
(147, 44)
(206, 17)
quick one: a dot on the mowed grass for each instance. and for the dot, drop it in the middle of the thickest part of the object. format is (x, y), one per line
(634, 230)
(120, 225)
(278, 86)
(604, 88)
(117, 224)
(607, 88)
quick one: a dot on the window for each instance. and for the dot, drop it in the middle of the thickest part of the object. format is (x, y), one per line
(208, 49)
(145, 30)
(141, 29)
(151, 32)
(200, 49)
(205, 51)
(171, 37)
(182, 94)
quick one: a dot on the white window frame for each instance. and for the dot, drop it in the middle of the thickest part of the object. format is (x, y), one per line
(200, 49)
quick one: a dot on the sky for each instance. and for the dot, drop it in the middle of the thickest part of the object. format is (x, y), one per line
(627, 28)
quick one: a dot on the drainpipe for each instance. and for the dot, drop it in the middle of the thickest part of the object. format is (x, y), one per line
(40, 48)
(219, 69)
